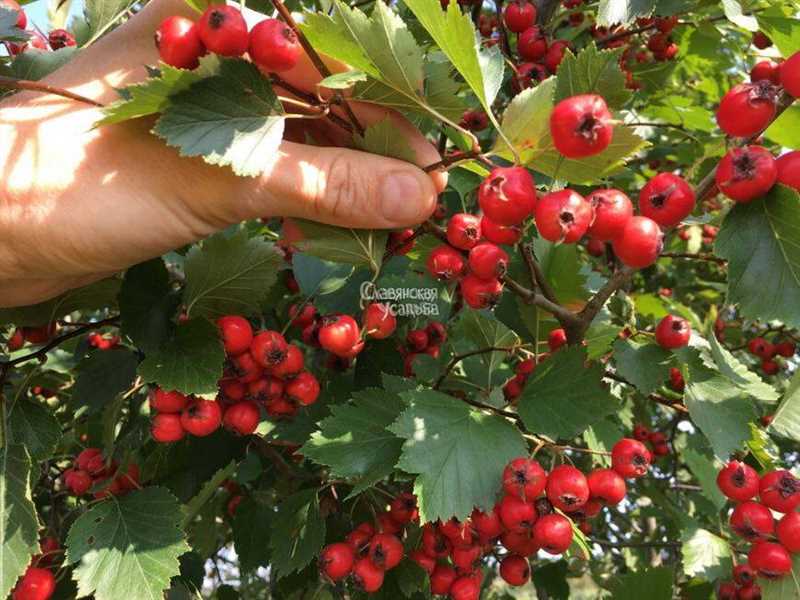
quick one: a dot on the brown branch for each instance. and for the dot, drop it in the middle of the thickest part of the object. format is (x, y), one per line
(635, 544)
(654, 397)
(566, 317)
(448, 161)
(310, 99)
(459, 357)
(35, 86)
(694, 256)
(535, 271)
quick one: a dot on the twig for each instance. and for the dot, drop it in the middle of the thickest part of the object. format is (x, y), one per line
(36, 86)
(459, 357)
(566, 317)
(606, 544)
(654, 397)
(695, 256)
(535, 270)
(448, 161)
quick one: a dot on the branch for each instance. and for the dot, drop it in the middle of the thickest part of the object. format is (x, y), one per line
(535, 270)
(459, 357)
(692, 256)
(654, 397)
(451, 160)
(35, 86)
(635, 544)
(566, 317)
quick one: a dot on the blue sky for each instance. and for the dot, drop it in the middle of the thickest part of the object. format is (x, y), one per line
(37, 12)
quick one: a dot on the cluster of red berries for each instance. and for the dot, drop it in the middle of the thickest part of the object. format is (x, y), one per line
(91, 471)
(32, 335)
(512, 389)
(656, 441)
(768, 351)
(271, 44)
(55, 40)
(752, 520)
(101, 341)
(743, 586)
(427, 340)
(709, 233)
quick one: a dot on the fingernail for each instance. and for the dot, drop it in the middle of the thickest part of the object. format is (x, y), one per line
(402, 198)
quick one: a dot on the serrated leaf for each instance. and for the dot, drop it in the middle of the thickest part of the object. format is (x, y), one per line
(735, 14)
(613, 12)
(645, 365)
(35, 427)
(705, 555)
(194, 505)
(564, 396)
(36, 64)
(146, 304)
(445, 440)
(385, 139)
(784, 588)
(343, 81)
(761, 241)
(190, 361)
(485, 332)
(127, 547)
(360, 247)
(561, 265)
(592, 71)
(705, 472)
(454, 33)
(654, 583)
(19, 525)
(297, 534)
(786, 422)
(101, 14)
(354, 441)
(229, 275)
(783, 30)
(764, 449)
(233, 118)
(102, 377)
(601, 437)
(96, 296)
(251, 529)
(317, 277)
(738, 373)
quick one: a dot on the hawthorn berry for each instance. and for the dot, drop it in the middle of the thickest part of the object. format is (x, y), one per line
(788, 531)
(339, 334)
(556, 339)
(766, 70)
(487, 524)
(595, 247)
(359, 538)
(442, 579)
(201, 417)
(727, 591)
(403, 508)
(474, 120)
(531, 44)
(434, 544)
(78, 481)
(581, 126)
(563, 216)
(788, 170)
(303, 389)
(770, 367)
(516, 514)
(466, 587)
(761, 40)
(223, 30)
(785, 349)
(466, 558)
(274, 46)
(481, 293)
(761, 348)
(263, 389)
(555, 54)
(780, 491)
(666, 199)
(515, 570)
(242, 418)
(22, 18)
(508, 235)
(553, 533)
(398, 242)
(91, 461)
(752, 521)
(749, 592)
(507, 196)
(488, 261)
(738, 481)
(280, 408)
(167, 402)
(269, 348)
(437, 333)
(445, 262)
(524, 478)
(519, 15)
(385, 551)
(40, 334)
(36, 584)
(15, 341)
(746, 173)
(630, 458)
(747, 108)
(567, 488)
(378, 321)
(606, 485)
(528, 75)
(178, 42)
(423, 560)
(246, 368)
(673, 332)
(367, 575)
(769, 560)
(640, 243)
(743, 574)
(612, 211)
(790, 75)
(166, 427)
(464, 231)
(388, 525)
(458, 532)
(61, 38)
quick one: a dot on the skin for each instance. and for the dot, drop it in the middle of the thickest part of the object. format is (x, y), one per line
(78, 204)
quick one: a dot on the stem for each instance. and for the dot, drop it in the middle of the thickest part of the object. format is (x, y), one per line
(448, 161)
(693, 256)
(459, 357)
(535, 271)
(567, 318)
(35, 86)
(635, 544)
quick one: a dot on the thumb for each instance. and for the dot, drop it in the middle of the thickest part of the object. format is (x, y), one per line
(343, 187)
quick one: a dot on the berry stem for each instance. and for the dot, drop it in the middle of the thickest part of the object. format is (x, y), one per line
(35, 86)
(449, 161)
(695, 256)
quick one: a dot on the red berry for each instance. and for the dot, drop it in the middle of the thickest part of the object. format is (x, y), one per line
(201, 417)
(466, 558)
(666, 24)
(464, 231)
(458, 532)
(749, 592)
(481, 293)
(488, 261)
(744, 575)
(640, 243)
(612, 211)
(77, 481)
(502, 234)
(178, 42)
(269, 349)
(166, 427)
(747, 109)
(246, 368)
(780, 491)
(630, 458)
(507, 196)
(487, 524)
(423, 560)
(398, 242)
(442, 579)
(466, 587)
(746, 173)
(555, 54)
(242, 418)
(752, 521)
(521, 543)
(61, 38)
(727, 591)
(531, 44)
(237, 334)
(607, 485)
(445, 262)
(339, 335)
(378, 321)
(516, 514)
(770, 560)
(434, 544)
(790, 75)
(91, 461)
(738, 481)
(788, 531)
(519, 15)
(595, 247)
(417, 339)
(274, 47)
(761, 40)
(360, 537)
(761, 348)
(528, 75)
(553, 533)
(766, 70)
(437, 333)
(667, 199)
(223, 30)
(673, 332)
(167, 402)
(474, 120)
(22, 18)
(563, 216)
(36, 584)
(303, 389)
(567, 488)
(524, 478)
(785, 349)
(280, 408)
(15, 341)
(385, 551)
(556, 339)
(302, 315)
(515, 570)
(41, 334)
(403, 509)
(581, 126)
(388, 525)
(367, 576)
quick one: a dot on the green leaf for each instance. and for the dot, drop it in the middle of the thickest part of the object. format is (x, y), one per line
(354, 441)
(738, 373)
(561, 266)
(485, 332)
(386, 139)
(564, 396)
(317, 277)
(102, 14)
(360, 247)
(233, 118)
(786, 422)
(102, 377)
(97, 296)
(229, 275)
(127, 547)
(192, 508)
(761, 241)
(190, 362)
(764, 449)
(645, 365)
(146, 304)
(735, 14)
(783, 30)
(613, 12)
(297, 534)
(251, 530)
(550, 580)
(651, 583)
(785, 588)
(705, 555)
(785, 130)
(592, 71)
(343, 81)
(454, 33)
(35, 427)
(36, 64)
(9, 32)
(601, 437)
(445, 441)
(19, 525)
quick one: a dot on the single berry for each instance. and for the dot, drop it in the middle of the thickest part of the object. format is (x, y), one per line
(567, 488)
(336, 561)
(761, 40)
(91, 461)
(507, 196)
(630, 458)
(785, 349)
(398, 242)
(738, 481)
(563, 216)
(581, 126)
(761, 348)
(508, 235)
(667, 199)
(744, 575)
(769, 560)
(242, 418)
(458, 532)
(515, 570)
(223, 30)
(780, 491)
(524, 478)
(788, 531)
(607, 485)
(747, 109)
(274, 46)
(752, 521)
(790, 75)
(556, 339)
(487, 524)
(531, 44)
(77, 481)
(167, 402)
(423, 560)
(367, 575)
(178, 42)
(481, 293)
(766, 70)
(303, 389)
(553, 533)
(201, 417)
(36, 584)
(403, 509)
(519, 15)
(464, 231)
(474, 120)
(488, 261)
(442, 579)
(385, 551)
(437, 333)
(673, 332)
(612, 211)
(378, 321)
(727, 591)
(516, 514)
(246, 368)
(640, 243)
(61, 38)
(269, 348)
(445, 262)
(555, 54)
(521, 543)
(166, 428)
(359, 538)
(339, 335)
(466, 587)
(434, 544)
(746, 173)
(237, 334)
(466, 558)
